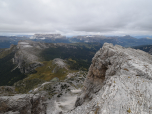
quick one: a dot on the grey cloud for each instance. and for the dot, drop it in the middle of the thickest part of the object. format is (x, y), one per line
(76, 16)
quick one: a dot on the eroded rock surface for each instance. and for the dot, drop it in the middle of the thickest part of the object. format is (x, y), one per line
(7, 90)
(22, 104)
(27, 56)
(118, 82)
(62, 94)
(52, 97)
(60, 63)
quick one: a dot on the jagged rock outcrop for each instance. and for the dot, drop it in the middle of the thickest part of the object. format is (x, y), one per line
(62, 94)
(22, 104)
(60, 63)
(27, 56)
(119, 81)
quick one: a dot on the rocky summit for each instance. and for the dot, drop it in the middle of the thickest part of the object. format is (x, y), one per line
(119, 81)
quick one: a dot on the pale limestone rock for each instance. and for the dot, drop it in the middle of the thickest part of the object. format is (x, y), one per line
(27, 56)
(118, 82)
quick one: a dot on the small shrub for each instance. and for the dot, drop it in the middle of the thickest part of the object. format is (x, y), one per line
(96, 110)
(126, 69)
(129, 111)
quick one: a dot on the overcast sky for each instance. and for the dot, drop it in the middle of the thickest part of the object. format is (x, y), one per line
(76, 17)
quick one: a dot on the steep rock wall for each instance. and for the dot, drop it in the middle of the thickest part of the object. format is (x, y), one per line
(118, 82)
(27, 56)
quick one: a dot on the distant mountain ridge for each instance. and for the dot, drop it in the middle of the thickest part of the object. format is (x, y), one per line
(6, 41)
(30, 57)
(146, 48)
(125, 41)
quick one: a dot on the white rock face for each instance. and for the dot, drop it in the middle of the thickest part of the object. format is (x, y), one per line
(63, 104)
(27, 55)
(61, 95)
(23, 43)
(119, 81)
(60, 62)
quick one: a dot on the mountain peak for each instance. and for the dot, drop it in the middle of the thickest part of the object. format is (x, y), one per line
(27, 55)
(117, 80)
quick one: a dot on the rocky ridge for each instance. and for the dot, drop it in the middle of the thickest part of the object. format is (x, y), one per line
(22, 104)
(27, 55)
(118, 82)
(54, 96)
(61, 94)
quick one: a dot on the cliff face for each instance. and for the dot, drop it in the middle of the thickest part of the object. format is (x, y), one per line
(118, 82)
(27, 55)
